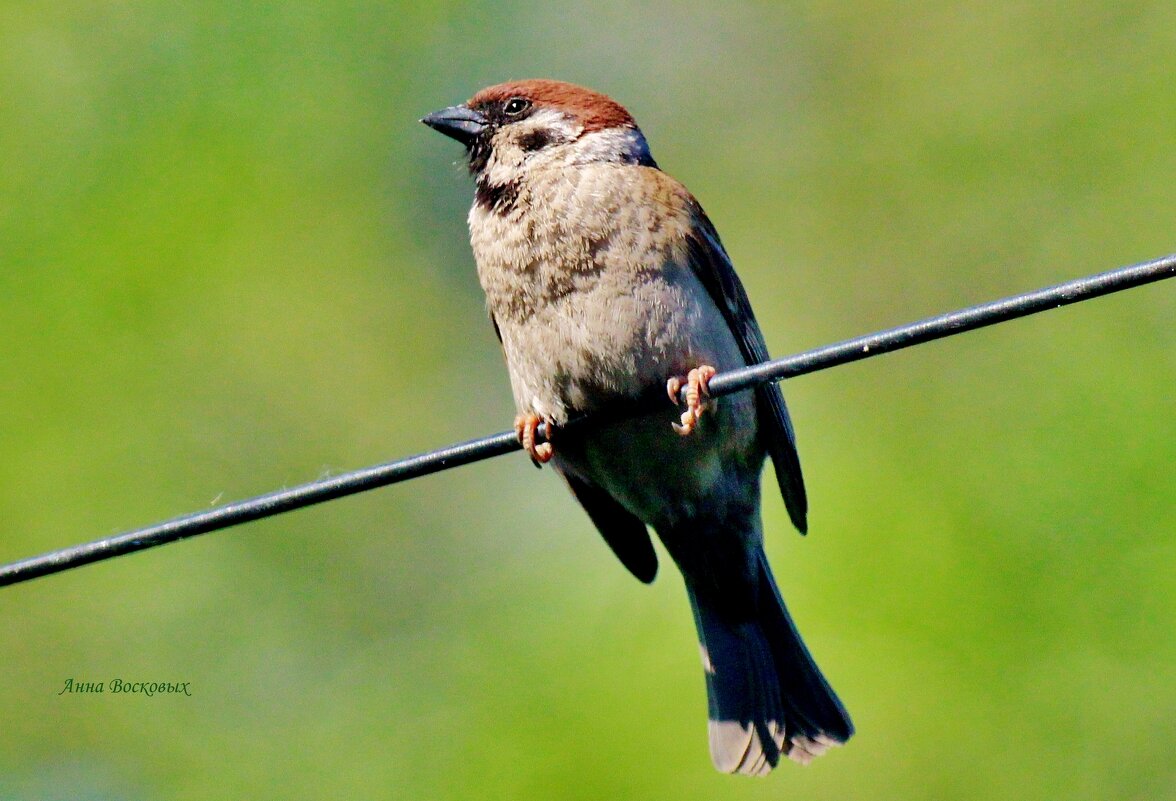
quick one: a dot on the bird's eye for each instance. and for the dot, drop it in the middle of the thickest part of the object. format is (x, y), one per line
(516, 106)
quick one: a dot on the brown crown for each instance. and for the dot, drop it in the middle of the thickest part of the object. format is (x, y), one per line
(595, 111)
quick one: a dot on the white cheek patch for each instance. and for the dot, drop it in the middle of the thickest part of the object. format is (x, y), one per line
(509, 154)
(558, 125)
(504, 167)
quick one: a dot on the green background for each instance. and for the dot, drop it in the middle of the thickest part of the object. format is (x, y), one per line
(231, 260)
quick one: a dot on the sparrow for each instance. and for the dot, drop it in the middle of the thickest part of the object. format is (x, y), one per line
(607, 284)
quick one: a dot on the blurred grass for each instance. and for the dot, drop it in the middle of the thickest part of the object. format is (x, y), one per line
(232, 261)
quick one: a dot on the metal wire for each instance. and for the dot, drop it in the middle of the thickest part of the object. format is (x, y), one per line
(851, 350)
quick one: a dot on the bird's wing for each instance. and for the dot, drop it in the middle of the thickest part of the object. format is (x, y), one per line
(713, 267)
(624, 533)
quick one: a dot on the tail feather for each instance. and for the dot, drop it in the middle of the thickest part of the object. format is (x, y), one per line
(765, 695)
(815, 709)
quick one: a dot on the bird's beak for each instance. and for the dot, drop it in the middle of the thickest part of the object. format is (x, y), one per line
(460, 122)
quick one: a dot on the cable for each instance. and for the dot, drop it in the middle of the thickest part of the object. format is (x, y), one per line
(811, 361)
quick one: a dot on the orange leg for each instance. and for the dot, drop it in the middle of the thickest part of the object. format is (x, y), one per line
(696, 388)
(526, 426)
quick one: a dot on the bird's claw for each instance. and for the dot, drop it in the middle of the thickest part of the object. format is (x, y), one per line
(696, 383)
(526, 426)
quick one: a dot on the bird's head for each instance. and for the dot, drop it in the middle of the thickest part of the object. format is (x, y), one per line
(514, 127)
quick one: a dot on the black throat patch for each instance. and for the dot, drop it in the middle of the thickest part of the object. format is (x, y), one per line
(499, 199)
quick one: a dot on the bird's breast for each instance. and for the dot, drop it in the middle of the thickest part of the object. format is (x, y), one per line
(587, 279)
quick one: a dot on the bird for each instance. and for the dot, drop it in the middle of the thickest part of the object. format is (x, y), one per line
(607, 285)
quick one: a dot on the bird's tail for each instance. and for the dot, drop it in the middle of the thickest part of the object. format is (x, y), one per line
(766, 696)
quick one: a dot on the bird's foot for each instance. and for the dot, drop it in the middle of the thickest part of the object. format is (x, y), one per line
(526, 426)
(696, 383)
